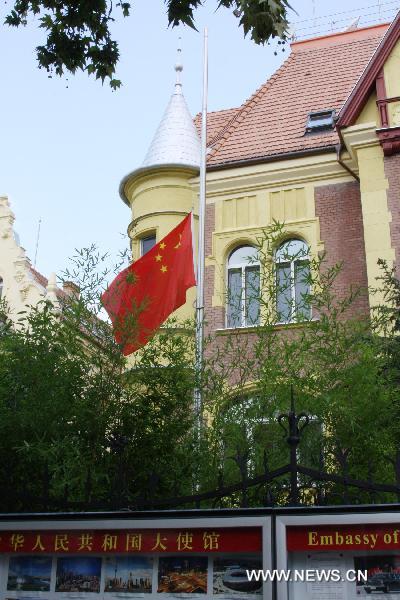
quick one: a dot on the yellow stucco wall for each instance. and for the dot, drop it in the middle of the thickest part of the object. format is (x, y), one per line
(159, 199)
(363, 145)
(244, 201)
(392, 81)
(376, 215)
(370, 113)
(241, 219)
(391, 71)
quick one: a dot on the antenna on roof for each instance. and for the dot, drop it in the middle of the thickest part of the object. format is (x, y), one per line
(37, 242)
(292, 34)
(353, 25)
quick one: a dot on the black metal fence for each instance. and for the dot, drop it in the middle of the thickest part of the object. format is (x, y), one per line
(291, 484)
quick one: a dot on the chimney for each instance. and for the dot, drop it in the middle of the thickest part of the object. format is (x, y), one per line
(71, 289)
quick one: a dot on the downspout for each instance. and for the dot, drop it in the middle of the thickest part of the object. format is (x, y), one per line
(339, 149)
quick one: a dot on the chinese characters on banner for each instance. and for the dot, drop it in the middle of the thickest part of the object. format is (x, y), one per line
(243, 539)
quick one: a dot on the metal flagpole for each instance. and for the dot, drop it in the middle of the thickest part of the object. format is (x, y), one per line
(200, 256)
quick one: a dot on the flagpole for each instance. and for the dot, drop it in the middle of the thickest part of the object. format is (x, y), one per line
(198, 399)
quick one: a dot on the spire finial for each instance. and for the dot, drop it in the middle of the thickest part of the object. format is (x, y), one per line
(178, 68)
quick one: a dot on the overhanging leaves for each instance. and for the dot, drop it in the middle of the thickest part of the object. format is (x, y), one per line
(78, 36)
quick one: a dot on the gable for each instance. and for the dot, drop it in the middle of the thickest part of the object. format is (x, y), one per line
(375, 76)
(369, 113)
(22, 284)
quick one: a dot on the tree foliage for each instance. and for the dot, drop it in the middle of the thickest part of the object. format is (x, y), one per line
(79, 37)
(335, 358)
(80, 427)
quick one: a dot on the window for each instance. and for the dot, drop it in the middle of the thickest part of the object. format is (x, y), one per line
(321, 120)
(251, 433)
(1, 287)
(147, 243)
(292, 281)
(243, 278)
(244, 435)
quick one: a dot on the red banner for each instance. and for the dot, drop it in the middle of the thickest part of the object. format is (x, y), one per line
(240, 539)
(343, 537)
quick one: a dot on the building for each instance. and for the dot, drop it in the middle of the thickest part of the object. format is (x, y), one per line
(316, 147)
(21, 284)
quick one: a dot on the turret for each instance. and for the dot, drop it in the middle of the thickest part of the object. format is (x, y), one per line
(160, 193)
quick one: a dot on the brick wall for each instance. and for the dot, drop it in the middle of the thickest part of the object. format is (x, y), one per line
(338, 207)
(392, 171)
(214, 316)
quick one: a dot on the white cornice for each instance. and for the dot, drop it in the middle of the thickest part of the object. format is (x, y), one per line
(359, 136)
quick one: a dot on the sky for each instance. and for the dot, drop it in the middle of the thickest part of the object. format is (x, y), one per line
(65, 144)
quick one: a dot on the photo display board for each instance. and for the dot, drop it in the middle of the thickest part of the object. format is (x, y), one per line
(345, 549)
(130, 563)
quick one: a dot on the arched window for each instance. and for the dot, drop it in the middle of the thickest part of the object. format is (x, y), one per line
(1, 287)
(243, 278)
(292, 280)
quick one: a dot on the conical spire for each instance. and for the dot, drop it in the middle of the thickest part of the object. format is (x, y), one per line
(176, 141)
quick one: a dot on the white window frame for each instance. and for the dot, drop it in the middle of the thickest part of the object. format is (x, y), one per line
(242, 266)
(292, 263)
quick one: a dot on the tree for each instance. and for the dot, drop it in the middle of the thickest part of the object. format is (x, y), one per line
(336, 361)
(82, 428)
(78, 429)
(79, 36)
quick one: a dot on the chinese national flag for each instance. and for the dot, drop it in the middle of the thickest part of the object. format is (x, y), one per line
(144, 294)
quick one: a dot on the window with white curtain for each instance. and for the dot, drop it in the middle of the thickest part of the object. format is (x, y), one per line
(243, 288)
(293, 281)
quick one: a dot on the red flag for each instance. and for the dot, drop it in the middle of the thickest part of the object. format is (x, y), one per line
(144, 294)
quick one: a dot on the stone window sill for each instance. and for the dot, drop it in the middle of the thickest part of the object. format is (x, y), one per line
(254, 328)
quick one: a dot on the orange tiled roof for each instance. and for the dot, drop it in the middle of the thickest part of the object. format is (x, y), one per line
(217, 122)
(43, 281)
(319, 74)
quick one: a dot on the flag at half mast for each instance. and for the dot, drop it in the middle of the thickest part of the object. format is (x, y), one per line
(145, 294)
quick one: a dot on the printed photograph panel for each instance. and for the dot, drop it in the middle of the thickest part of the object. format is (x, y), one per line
(383, 575)
(187, 575)
(78, 574)
(130, 574)
(29, 573)
(230, 576)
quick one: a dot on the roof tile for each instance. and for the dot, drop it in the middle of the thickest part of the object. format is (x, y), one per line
(216, 123)
(318, 74)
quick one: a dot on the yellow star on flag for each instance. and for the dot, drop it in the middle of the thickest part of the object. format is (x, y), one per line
(162, 245)
(158, 257)
(164, 269)
(179, 244)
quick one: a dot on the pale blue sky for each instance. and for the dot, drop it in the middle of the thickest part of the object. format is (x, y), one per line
(65, 145)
